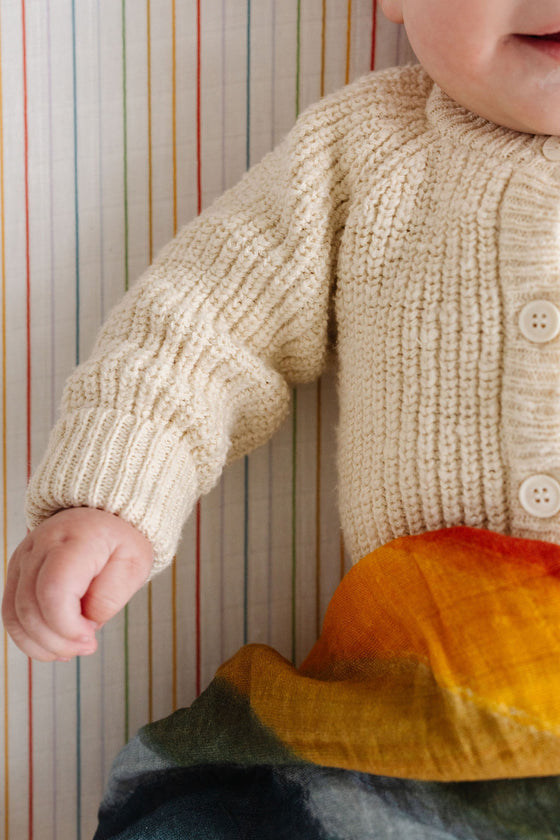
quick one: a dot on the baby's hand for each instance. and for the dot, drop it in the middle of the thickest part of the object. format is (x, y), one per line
(68, 577)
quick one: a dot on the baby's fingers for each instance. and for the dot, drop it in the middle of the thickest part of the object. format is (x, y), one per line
(71, 574)
(13, 625)
(62, 581)
(24, 620)
(115, 585)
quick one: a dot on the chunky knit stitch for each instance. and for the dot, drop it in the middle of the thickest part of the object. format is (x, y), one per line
(429, 229)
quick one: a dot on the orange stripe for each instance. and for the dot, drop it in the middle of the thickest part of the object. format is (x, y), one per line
(318, 558)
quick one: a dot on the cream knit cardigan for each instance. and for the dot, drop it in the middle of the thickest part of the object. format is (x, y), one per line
(426, 229)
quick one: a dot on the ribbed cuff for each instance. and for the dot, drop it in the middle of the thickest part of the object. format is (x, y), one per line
(119, 463)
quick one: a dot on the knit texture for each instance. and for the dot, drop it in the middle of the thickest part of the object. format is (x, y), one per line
(428, 229)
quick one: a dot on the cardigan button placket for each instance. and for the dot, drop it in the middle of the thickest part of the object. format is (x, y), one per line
(540, 496)
(551, 148)
(539, 321)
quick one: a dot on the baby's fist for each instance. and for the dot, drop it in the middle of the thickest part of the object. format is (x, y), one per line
(68, 577)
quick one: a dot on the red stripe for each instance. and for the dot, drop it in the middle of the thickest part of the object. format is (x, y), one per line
(199, 208)
(373, 31)
(28, 420)
(30, 747)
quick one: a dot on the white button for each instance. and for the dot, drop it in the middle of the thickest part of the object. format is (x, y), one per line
(551, 148)
(539, 321)
(540, 496)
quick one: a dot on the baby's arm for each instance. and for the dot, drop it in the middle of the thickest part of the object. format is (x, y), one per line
(68, 577)
(192, 369)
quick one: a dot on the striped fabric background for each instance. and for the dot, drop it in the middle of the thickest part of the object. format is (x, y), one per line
(119, 121)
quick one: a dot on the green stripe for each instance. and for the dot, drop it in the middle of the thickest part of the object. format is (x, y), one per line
(126, 270)
(76, 205)
(298, 57)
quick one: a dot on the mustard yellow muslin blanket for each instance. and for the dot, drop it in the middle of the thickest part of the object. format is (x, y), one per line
(439, 659)
(429, 708)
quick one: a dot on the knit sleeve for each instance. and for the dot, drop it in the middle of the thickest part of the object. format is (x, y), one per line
(194, 367)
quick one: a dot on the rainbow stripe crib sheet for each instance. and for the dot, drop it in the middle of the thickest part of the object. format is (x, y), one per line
(429, 708)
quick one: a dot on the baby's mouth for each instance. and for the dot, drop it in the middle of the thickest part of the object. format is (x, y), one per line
(547, 44)
(551, 36)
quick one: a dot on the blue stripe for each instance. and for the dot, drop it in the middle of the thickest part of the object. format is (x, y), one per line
(126, 272)
(77, 246)
(246, 480)
(76, 203)
(248, 92)
(101, 651)
(294, 415)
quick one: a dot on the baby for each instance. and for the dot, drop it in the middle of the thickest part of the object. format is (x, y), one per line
(421, 207)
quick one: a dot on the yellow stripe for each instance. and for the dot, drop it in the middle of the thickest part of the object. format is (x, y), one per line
(348, 53)
(4, 458)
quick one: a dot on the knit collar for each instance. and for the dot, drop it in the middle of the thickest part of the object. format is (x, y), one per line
(462, 126)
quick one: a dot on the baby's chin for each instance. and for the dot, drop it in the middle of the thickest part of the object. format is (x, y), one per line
(530, 112)
(513, 86)
(527, 123)
(538, 119)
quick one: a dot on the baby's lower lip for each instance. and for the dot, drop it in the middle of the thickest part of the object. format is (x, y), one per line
(545, 44)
